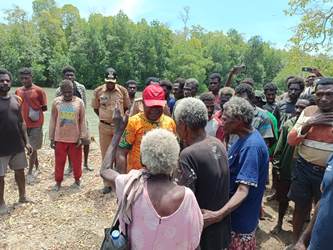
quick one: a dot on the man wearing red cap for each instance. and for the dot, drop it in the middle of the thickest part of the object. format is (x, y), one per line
(139, 124)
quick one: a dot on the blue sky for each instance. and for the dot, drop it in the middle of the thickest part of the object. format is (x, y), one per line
(249, 17)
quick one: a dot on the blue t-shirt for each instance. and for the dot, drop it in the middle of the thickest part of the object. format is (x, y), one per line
(322, 233)
(171, 103)
(248, 163)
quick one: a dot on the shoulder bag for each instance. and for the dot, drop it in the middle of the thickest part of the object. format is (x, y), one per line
(33, 114)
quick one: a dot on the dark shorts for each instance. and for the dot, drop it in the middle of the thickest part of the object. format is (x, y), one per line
(15, 162)
(35, 137)
(306, 181)
(216, 236)
(282, 190)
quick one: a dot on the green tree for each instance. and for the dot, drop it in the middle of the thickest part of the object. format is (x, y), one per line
(315, 29)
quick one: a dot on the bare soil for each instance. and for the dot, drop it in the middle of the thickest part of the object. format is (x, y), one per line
(75, 219)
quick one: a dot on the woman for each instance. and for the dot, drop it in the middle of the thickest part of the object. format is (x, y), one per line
(161, 214)
(248, 163)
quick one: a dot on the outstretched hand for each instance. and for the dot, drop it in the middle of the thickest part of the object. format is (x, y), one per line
(210, 217)
(29, 149)
(119, 122)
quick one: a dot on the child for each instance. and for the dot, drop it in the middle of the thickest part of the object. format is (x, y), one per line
(67, 130)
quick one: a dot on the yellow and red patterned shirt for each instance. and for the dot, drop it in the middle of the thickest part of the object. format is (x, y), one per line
(137, 126)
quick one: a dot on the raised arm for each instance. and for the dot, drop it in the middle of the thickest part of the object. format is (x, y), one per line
(234, 71)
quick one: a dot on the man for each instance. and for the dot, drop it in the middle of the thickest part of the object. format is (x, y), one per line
(248, 164)
(214, 125)
(270, 90)
(13, 139)
(283, 162)
(248, 81)
(313, 133)
(80, 92)
(319, 230)
(310, 82)
(67, 130)
(152, 80)
(214, 87)
(104, 102)
(260, 121)
(178, 88)
(191, 87)
(137, 106)
(33, 105)
(259, 98)
(128, 152)
(225, 94)
(167, 87)
(260, 101)
(203, 168)
(314, 74)
(285, 108)
(132, 87)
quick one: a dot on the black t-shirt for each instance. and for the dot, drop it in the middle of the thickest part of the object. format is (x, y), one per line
(269, 107)
(76, 92)
(10, 121)
(284, 110)
(208, 160)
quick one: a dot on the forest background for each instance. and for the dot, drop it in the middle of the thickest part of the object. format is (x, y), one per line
(54, 36)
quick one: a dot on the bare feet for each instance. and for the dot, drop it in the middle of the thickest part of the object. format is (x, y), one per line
(56, 187)
(272, 197)
(106, 190)
(86, 167)
(25, 200)
(3, 209)
(76, 185)
(277, 229)
(30, 179)
(289, 247)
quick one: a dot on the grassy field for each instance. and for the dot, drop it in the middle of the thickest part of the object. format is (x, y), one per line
(91, 116)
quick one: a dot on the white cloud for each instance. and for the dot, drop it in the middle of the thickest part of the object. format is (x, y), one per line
(131, 8)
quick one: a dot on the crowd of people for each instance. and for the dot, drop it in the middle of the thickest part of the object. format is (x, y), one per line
(189, 171)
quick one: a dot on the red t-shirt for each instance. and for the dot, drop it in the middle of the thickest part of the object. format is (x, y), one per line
(36, 98)
(219, 132)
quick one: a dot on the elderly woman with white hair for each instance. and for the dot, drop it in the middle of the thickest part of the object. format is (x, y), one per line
(248, 163)
(162, 214)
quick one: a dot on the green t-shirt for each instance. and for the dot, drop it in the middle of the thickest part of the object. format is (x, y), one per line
(283, 157)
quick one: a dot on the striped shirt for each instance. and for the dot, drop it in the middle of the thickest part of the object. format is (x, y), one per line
(316, 145)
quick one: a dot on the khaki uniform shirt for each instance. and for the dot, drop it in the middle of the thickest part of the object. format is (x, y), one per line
(105, 101)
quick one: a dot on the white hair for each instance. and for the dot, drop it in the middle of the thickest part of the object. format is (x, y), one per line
(159, 151)
(192, 112)
(239, 108)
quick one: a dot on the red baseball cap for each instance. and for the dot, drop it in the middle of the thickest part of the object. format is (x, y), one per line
(153, 95)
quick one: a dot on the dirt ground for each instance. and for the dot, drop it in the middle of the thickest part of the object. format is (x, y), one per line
(75, 219)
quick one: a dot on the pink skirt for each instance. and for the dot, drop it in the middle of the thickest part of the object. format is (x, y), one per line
(242, 241)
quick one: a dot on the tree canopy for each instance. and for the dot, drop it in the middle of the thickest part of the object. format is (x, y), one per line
(315, 30)
(57, 36)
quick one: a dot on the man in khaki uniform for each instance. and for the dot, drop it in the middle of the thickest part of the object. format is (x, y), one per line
(104, 102)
